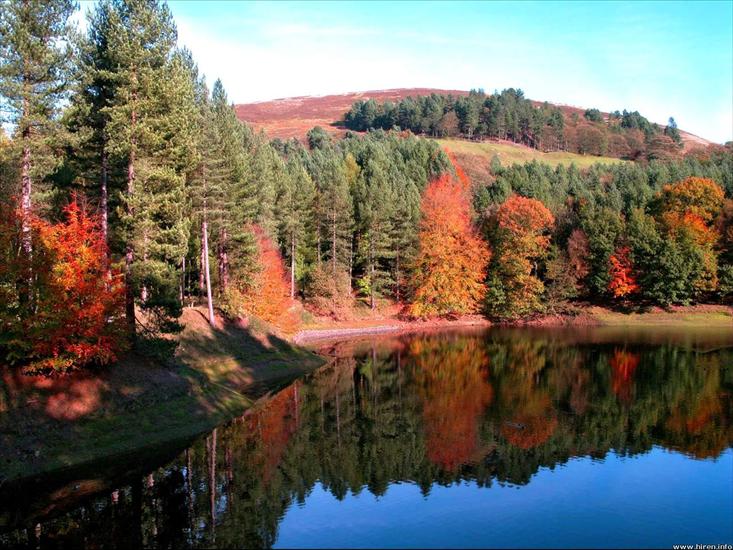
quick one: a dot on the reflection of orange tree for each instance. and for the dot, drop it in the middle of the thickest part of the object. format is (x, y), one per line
(274, 425)
(623, 364)
(701, 427)
(452, 383)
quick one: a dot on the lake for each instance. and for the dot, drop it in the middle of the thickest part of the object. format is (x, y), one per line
(483, 438)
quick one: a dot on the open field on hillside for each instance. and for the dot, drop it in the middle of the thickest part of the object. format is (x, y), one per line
(510, 153)
(294, 116)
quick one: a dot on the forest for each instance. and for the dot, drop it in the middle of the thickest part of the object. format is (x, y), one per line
(129, 190)
(508, 115)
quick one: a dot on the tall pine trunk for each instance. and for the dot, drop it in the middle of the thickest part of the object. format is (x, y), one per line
(129, 256)
(202, 262)
(204, 231)
(104, 197)
(25, 201)
(223, 260)
(292, 266)
(373, 302)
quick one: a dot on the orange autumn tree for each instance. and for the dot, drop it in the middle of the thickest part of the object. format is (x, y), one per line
(622, 281)
(267, 294)
(689, 210)
(79, 301)
(450, 267)
(519, 233)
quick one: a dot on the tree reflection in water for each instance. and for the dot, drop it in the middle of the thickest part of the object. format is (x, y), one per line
(434, 409)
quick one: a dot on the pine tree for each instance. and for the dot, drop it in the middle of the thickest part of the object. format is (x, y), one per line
(235, 243)
(294, 207)
(207, 188)
(150, 127)
(374, 201)
(86, 117)
(33, 74)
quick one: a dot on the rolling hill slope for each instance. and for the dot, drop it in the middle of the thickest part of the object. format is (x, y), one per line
(292, 118)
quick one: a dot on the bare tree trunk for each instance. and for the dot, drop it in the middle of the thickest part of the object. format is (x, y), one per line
(333, 246)
(129, 295)
(292, 266)
(104, 197)
(129, 255)
(183, 280)
(223, 260)
(351, 261)
(371, 275)
(202, 262)
(144, 287)
(397, 276)
(25, 202)
(204, 230)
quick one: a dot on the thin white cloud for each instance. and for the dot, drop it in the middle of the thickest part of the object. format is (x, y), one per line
(277, 57)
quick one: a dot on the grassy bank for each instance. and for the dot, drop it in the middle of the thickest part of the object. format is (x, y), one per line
(388, 321)
(694, 316)
(50, 424)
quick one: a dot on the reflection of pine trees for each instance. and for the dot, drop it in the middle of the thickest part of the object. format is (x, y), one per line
(426, 410)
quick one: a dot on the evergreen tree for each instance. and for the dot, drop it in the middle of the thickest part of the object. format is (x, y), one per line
(34, 72)
(294, 208)
(374, 203)
(150, 127)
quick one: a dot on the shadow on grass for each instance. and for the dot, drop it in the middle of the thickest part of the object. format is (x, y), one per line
(58, 424)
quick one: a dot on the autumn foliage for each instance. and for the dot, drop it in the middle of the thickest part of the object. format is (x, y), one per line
(451, 262)
(622, 282)
(519, 232)
(267, 294)
(73, 316)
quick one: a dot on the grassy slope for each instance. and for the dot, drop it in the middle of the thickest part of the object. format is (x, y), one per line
(136, 404)
(702, 316)
(510, 153)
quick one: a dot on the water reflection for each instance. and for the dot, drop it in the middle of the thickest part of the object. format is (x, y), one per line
(431, 410)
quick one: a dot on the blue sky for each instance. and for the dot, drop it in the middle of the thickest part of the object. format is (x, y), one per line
(661, 58)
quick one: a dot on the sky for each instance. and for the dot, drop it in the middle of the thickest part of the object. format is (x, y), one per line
(660, 58)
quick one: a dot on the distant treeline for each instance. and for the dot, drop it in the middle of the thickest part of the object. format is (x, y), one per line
(509, 115)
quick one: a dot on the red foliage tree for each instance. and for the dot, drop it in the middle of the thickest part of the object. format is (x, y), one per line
(622, 281)
(80, 300)
(268, 293)
(451, 263)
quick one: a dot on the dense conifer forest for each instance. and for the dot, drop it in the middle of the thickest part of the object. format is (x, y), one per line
(130, 190)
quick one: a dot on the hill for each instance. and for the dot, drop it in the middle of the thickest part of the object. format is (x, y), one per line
(292, 117)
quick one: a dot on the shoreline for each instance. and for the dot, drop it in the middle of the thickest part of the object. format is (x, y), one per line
(52, 425)
(699, 316)
(309, 335)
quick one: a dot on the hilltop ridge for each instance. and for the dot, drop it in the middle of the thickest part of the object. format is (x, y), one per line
(290, 117)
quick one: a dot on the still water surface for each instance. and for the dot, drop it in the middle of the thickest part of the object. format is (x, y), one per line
(500, 437)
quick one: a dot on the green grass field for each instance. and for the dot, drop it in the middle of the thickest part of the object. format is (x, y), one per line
(510, 153)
